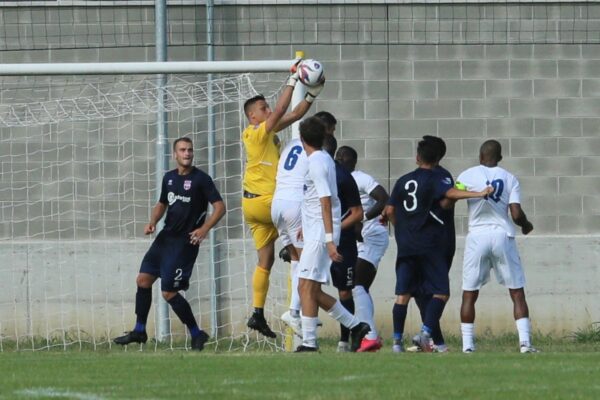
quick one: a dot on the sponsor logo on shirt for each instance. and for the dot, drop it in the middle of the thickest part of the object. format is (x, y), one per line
(187, 185)
(172, 198)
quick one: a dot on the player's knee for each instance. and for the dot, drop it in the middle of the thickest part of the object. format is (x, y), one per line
(443, 297)
(168, 295)
(345, 294)
(144, 281)
(403, 299)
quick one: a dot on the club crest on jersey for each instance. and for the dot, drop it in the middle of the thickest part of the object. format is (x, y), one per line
(187, 185)
(170, 182)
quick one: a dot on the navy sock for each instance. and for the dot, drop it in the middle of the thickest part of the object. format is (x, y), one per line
(143, 302)
(399, 317)
(183, 310)
(422, 301)
(435, 308)
(345, 332)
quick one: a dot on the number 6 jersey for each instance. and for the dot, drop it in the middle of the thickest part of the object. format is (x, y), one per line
(291, 170)
(493, 210)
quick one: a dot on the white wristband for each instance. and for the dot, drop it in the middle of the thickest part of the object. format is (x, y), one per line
(328, 237)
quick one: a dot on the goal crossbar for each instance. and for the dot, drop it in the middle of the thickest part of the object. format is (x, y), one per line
(141, 68)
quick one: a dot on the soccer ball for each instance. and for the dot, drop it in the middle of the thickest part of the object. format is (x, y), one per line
(310, 72)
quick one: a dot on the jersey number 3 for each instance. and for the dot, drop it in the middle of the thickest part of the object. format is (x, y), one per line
(292, 158)
(411, 188)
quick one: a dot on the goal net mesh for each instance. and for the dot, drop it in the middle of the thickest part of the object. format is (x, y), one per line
(77, 182)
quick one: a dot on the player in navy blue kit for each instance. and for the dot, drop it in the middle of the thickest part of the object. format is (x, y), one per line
(419, 235)
(448, 243)
(342, 272)
(185, 194)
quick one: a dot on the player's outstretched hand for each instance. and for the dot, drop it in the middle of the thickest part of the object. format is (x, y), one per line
(293, 78)
(313, 92)
(487, 191)
(333, 253)
(149, 229)
(527, 228)
(197, 236)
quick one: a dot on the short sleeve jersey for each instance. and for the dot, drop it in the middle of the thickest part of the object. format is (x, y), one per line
(349, 197)
(187, 198)
(447, 216)
(292, 168)
(414, 195)
(366, 184)
(262, 156)
(492, 210)
(320, 182)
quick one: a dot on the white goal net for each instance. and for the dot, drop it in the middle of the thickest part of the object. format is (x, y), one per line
(77, 182)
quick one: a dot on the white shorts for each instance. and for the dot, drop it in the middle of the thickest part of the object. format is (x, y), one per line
(375, 243)
(489, 249)
(314, 262)
(287, 218)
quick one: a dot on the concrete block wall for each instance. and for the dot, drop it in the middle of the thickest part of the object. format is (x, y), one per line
(539, 100)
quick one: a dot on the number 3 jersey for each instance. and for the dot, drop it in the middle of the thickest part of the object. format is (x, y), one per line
(417, 229)
(291, 171)
(493, 210)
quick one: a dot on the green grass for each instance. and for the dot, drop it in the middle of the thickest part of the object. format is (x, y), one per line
(565, 369)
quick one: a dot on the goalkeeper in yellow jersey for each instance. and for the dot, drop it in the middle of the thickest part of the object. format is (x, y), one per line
(262, 155)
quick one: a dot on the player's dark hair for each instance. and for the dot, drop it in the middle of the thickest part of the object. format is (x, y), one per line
(182, 139)
(439, 143)
(312, 132)
(427, 152)
(250, 102)
(327, 118)
(330, 145)
(349, 150)
(491, 150)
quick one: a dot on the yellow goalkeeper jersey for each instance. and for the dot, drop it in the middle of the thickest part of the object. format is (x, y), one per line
(262, 156)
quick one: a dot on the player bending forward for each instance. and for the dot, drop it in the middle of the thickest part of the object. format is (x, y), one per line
(185, 194)
(321, 230)
(490, 243)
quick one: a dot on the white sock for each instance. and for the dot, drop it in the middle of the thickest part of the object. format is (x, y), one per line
(364, 309)
(468, 336)
(524, 328)
(309, 331)
(340, 314)
(295, 300)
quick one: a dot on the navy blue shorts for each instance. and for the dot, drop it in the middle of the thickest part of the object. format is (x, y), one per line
(342, 274)
(171, 258)
(423, 274)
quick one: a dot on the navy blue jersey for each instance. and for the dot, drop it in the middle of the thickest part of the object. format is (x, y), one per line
(187, 197)
(349, 197)
(447, 216)
(417, 230)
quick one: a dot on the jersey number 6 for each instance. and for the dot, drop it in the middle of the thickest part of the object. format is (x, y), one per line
(292, 158)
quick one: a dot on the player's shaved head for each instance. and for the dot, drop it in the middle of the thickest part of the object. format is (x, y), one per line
(330, 144)
(312, 132)
(439, 144)
(427, 152)
(490, 152)
(249, 104)
(181, 139)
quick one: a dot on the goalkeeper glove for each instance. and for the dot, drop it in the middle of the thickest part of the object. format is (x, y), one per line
(293, 78)
(313, 92)
(284, 254)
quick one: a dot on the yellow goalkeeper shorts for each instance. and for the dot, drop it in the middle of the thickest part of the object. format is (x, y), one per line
(257, 213)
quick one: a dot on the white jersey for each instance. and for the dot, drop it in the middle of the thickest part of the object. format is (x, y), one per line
(366, 184)
(291, 170)
(320, 182)
(493, 210)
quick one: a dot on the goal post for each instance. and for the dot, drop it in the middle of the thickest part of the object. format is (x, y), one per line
(78, 166)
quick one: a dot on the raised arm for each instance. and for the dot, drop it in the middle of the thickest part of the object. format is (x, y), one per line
(300, 110)
(381, 197)
(519, 218)
(455, 194)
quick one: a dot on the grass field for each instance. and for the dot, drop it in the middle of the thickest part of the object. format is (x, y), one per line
(565, 369)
